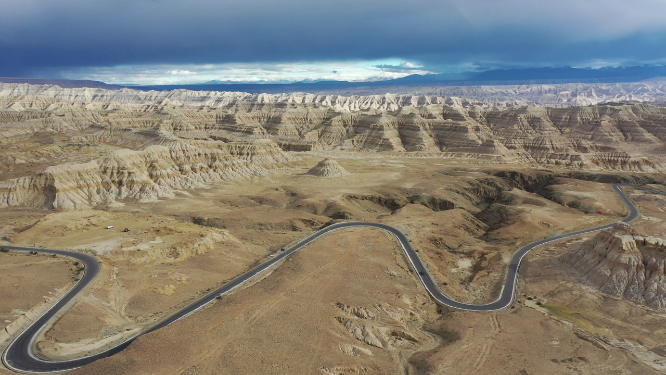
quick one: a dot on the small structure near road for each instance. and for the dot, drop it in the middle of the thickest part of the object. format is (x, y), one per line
(126, 230)
(109, 226)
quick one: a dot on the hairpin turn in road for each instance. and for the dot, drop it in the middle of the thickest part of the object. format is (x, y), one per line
(19, 355)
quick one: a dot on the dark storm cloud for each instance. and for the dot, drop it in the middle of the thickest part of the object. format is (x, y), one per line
(47, 35)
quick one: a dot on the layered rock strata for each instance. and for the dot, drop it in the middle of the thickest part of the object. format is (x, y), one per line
(156, 172)
(571, 94)
(608, 137)
(623, 264)
(327, 168)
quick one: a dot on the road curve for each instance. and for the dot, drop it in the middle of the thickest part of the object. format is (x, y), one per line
(19, 355)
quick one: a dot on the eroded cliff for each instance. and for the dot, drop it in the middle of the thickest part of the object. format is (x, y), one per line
(624, 264)
(146, 145)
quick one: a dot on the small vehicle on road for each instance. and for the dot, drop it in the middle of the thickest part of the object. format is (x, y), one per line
(422, 273)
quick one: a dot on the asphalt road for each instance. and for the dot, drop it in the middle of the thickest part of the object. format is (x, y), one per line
(19, 355)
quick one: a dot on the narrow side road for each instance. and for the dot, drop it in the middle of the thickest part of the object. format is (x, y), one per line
(19, 355)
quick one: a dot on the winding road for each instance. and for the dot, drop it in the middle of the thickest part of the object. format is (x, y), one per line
(19, 355)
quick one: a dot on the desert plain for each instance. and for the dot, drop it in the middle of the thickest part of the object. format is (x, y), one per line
(212, 188)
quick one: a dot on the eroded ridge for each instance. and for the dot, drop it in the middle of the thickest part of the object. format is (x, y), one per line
(19, 355)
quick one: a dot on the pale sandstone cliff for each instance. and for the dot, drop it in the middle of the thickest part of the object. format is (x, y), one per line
(150, 145)
(624, 264)
(570, 94)
(616, 137)
(155, 172)
(553, 95)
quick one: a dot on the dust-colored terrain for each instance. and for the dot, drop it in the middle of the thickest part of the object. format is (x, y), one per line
(80, 152)
(22, 291)
(29, 284)
(209, 190)
(595, 311)
(349, 304)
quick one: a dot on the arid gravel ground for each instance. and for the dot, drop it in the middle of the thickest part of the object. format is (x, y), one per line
(29, 283)
(317, 313)
(348, 303)
(28, 280)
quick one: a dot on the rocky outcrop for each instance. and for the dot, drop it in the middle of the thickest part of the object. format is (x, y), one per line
(218, 99)
(155, 172)
(262, 152)
(327, 168)
(605, 137)
(552, 95)
(506, 96)
(623, 264)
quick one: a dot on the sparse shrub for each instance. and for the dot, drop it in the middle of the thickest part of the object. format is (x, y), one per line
(204, 222)
(4, 250)
(530, 298)
(218, 297)
(539, 303)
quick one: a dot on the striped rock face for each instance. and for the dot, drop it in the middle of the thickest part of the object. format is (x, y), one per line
(625, 137)
(328, 168)
(129, 144)
(154, 172)
(623, 264)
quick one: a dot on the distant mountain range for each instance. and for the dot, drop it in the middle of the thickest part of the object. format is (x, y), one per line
(490, 77)
(64, 83)
(608, 74)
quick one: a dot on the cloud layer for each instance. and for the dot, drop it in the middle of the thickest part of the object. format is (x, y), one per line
(161, 74)
(46, 37)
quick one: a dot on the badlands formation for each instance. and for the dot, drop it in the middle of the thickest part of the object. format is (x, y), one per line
(328, 168)
(558, 95)
(212, 184)
(149, 147)
(623, 264)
